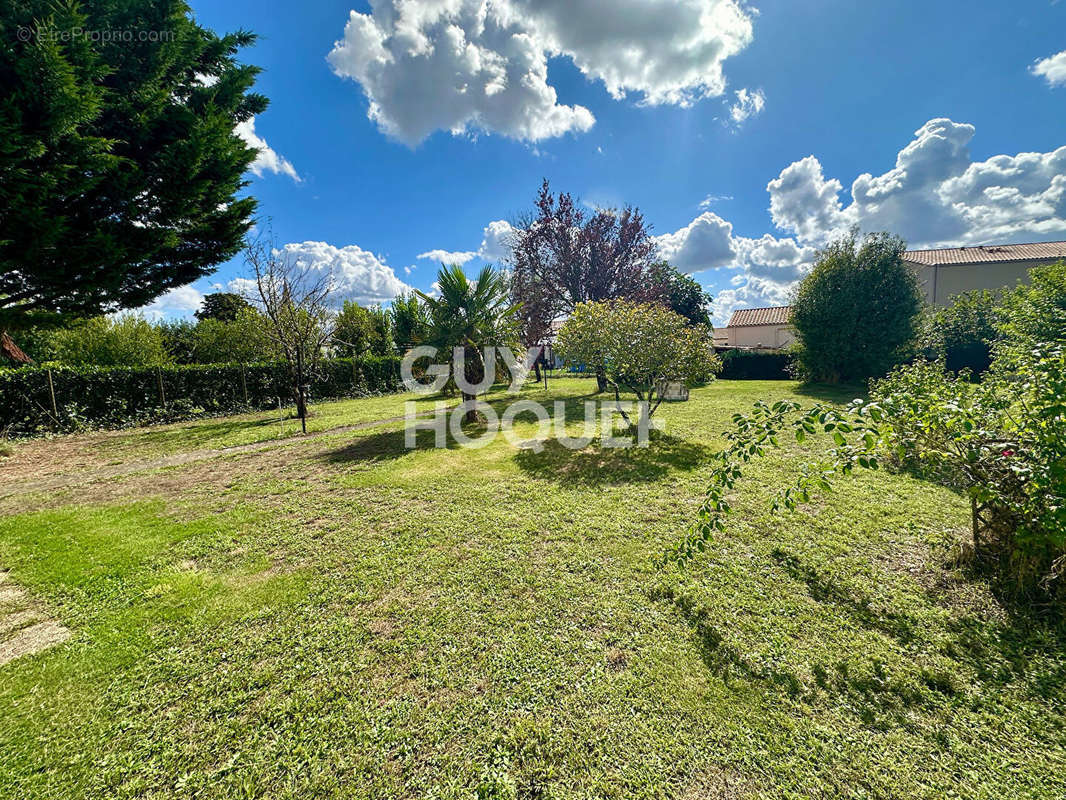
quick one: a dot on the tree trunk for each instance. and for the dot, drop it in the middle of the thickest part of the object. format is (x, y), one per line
(601, 381)
(301, 397)
(475, 371)
(536, 365)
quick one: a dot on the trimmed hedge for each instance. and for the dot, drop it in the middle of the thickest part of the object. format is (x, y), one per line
(117, 397)
(755, 365)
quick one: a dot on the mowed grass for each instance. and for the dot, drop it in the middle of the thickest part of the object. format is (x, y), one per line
(345, 617)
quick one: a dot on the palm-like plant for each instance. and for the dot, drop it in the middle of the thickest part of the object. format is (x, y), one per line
(472, 315)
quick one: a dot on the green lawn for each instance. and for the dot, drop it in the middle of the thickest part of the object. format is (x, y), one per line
(339, 616)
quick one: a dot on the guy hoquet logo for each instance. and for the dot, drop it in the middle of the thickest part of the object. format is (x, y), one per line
(597, 417)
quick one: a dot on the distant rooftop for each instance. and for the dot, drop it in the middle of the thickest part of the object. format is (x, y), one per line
(985, 254)
(775, 315)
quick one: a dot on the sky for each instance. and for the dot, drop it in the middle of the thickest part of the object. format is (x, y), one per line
(401, 133)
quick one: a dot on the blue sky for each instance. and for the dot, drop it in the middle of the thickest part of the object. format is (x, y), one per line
(642, 114)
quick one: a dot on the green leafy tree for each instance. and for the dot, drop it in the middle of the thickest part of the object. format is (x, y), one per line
(382, 342)
(962, 334)
(119, 166)
(683, 294)
(362, 331)
(353, 335)
(857, 313)
(638, 347)
(471, 315)
(244, 340)
(128, 340)
(410, 320)
(222, 306)
(179, 339)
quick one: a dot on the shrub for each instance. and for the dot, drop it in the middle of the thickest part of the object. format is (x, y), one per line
(962, 334)
(857, 313)
(118, 397)
(128, 340)
(243, 340)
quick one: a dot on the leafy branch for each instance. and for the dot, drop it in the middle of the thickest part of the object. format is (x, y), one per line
(856, 439)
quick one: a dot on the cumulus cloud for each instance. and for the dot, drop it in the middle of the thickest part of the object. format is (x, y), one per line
(1052, 69)
(482, 65)
(705, 243)
(357, 274)
(267, 160)
(748, 292)
(179, 302)
(448, 257)
(765, 269)
(936, 195)
(748, 105)
(496, 240)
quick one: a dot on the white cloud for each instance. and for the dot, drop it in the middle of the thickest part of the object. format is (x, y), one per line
(749, 292)
(711, 199)
(267, 160)
(448, 257)
(1052, 69)
(748, 104)
(357, 273)
(496, 241)
(936, 195)
(705, 243)
(179, 302)
(482, 65)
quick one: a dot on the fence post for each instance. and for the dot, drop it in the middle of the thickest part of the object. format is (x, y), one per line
(52, 394)
(162, 394)
(244, 383)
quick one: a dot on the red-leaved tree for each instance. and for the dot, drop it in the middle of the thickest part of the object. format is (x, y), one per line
(563, 255)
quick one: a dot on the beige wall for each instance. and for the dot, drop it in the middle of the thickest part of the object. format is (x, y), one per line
(952, 279)
(759, 336)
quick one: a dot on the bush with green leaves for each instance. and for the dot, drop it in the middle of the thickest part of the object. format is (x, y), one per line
(857, 313)
(127, 340)
(243, 340)
(638, 347)
(1002, 441)
(962, 334)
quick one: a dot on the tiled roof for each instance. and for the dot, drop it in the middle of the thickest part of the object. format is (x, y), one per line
(984, 254)
(777, 315)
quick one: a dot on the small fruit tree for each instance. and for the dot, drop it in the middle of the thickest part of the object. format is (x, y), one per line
(638, 347)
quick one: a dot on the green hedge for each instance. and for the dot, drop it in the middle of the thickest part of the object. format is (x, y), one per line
(121, 396)
(755, 365)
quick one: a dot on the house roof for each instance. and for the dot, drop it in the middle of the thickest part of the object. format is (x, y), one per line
(987, 254)
(775, 315)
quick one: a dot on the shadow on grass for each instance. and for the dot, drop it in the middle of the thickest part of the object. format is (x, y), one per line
(598, 466)
(839, 394)
(389, 445)
(824, 589)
